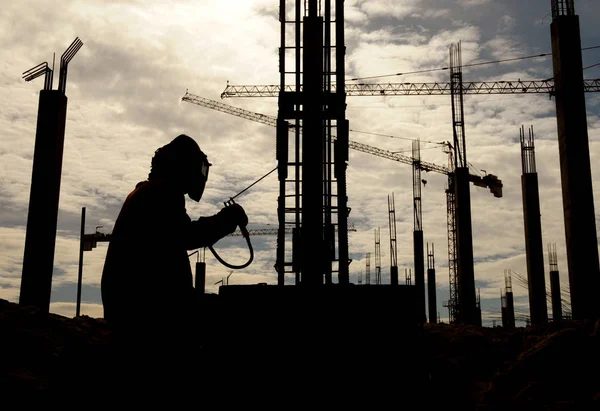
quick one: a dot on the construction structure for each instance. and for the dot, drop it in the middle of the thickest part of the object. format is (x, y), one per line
(564, 25)
(378, 256)
(489, 181)
(463, 309)
(578, 199)
(536, 281)
(393, 242)
(466, 313)
(419, 264)
(42, 217)
(368, 269)
(503, 308)
(431, 286)
(510, 301)
(555, 294)
(452, 302)
(314, 61)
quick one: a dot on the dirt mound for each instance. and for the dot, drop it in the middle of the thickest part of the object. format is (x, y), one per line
(50, 357)
(44, 353)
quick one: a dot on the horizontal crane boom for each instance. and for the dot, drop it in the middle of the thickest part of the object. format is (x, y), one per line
(417, 89)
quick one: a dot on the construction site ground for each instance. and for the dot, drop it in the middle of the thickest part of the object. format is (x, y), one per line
(47, 357)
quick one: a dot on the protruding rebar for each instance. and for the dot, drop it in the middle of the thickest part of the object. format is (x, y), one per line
(508, 280)
(64, 63)
(39, 70)
(563, 8)
(555, 290)
(510, 305)
(552, 257)
(528, 151)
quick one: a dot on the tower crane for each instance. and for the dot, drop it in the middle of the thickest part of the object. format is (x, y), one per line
(490, 181)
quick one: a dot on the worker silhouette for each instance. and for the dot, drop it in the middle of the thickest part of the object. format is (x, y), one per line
(147, 287)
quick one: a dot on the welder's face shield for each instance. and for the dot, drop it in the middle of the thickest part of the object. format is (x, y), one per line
(198, 180)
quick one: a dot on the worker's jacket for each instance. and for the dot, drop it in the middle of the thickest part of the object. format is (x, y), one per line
(147, 270)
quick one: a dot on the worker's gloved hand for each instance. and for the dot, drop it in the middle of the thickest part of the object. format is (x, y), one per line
(234, 216)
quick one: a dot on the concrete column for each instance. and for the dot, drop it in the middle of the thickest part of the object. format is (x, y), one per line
(464, 244)
(40, 240)
(536, 281)
(578, 200)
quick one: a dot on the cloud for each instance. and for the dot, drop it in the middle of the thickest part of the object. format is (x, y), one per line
(506, 23)
(471, 3)
(125, 87)
(396, 9)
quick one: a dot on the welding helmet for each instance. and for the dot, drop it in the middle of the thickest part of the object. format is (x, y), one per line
(183, 162)
(199, 175)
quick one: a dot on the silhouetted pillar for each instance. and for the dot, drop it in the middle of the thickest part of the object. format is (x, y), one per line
(536, 282)
(80, 270)
(313, 270)
(503, 309)
(556, 297)
(464, 245)
(394, 275)
(578, 199)
(510, 310)
(281, 154)
(431, 286)
(419, 273)
(200, 280)
(40, 240)
(341, 147)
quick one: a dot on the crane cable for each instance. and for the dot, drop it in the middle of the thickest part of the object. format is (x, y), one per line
(468, 65)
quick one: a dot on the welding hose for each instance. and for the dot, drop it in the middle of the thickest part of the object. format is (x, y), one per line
(243, 229)
(246, 235)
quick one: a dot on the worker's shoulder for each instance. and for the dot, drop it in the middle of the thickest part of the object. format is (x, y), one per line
(160, 190)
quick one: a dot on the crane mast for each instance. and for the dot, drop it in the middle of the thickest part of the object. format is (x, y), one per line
(467, 313)
(453, 300)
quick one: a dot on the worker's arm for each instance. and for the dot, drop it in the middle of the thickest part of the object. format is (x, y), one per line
(208, 230)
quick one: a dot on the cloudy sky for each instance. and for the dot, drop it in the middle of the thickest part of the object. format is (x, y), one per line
(138, 59)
